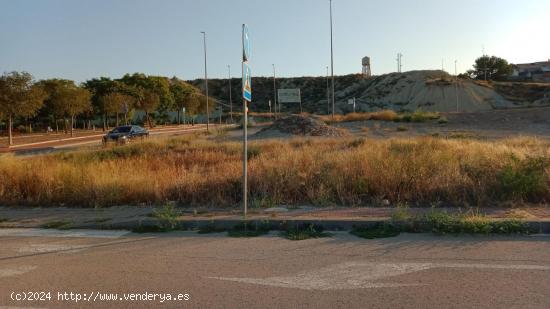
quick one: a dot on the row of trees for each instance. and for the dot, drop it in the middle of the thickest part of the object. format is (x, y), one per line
(49, 101)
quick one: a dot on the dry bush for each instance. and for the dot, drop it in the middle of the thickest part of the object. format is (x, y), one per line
(344, 171)
(385, 115)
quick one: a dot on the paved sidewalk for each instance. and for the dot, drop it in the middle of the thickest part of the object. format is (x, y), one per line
(127, 217)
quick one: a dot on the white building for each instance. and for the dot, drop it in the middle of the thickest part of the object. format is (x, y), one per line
(536, 71)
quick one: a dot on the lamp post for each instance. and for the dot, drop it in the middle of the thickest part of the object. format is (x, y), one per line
(274, 91)
(206, 83)
(456, 86)
(230, 99)
(328, 95)
(331, 58)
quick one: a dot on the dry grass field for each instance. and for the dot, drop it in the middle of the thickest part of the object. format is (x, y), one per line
(198, 171)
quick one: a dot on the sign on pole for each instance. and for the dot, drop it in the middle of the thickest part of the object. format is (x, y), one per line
(247, 97)
(247, 82)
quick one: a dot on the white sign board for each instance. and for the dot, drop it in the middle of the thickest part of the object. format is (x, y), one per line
(289, 95)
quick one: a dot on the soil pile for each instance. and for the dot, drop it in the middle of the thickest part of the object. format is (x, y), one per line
(301, 126)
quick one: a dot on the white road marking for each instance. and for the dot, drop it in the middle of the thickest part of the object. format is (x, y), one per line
(9, 272)
(43, 248)
(361, 275)
(62, 233)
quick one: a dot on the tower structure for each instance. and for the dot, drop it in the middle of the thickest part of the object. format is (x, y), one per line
(366, 67)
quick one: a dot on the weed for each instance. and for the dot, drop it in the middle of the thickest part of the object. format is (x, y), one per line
(418, 116)
(155, 228)
(305, 231)
(379, 230)
(168, 215)
(525, 179)
(357, 143)
(402, 129)
(250, 229)
(210, 229)
(4, 220)
(253, 151)
(401, 214)
(59, 225)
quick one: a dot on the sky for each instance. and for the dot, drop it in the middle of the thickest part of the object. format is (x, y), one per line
(83, 39)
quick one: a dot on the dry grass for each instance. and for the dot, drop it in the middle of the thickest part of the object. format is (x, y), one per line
(422, 171)
(386, 115)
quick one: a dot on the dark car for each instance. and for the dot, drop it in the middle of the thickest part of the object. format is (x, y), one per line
(124, 134)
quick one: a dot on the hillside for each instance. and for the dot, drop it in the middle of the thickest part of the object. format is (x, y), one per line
(408, 91)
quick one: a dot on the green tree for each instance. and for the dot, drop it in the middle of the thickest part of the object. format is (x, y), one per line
(491, 68)
(117, 103)
(156, 84)
(99, 88)
(148, 101)
(54, 102)
(184, 97)
(19, 97)
(75, 100)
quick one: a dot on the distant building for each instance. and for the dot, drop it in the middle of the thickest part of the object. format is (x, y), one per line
(536, 71)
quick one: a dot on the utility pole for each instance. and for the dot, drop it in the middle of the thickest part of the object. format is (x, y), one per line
(399, 64)
(274, 92)
(328, 95)
(331, 58)
(230, 99)
(206, 83)
(456, 86)
(484, 62)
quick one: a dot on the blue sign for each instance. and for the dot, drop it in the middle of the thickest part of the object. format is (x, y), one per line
(247, 82)
(246, 43)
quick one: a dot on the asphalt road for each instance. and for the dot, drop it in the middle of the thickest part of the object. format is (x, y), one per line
(410, 271)
(68, 143)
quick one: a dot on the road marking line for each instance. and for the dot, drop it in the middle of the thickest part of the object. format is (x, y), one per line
(62, 233)
(10, 272)
(361, 275)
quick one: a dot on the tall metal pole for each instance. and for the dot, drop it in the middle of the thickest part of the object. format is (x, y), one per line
(331, 58)
(484, 63)
(456, 86)
(206, 83)
(328, 95)
(245, 137)
(274, 90)
(230, 99)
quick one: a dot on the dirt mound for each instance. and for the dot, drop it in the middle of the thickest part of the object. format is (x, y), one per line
(302, 126)
(430, 91)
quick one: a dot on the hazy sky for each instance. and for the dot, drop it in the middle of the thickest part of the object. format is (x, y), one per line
(81, 39)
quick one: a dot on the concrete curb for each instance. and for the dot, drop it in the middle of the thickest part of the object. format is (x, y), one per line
(541, 227)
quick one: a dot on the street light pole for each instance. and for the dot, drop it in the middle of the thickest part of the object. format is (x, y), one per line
(274, 90)
(230, 99)
(206, 83)
(456, 86)
(328, 95)
(331, 58)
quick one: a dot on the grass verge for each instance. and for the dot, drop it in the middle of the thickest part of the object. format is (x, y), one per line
(305, 231)
(442, 223)
(250, 229)
(59, 225)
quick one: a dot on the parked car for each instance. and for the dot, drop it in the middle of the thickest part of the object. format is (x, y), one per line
(123, 134)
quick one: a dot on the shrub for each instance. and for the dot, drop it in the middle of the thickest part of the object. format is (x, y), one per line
(168, 215)
(524, 179)
(250, 229)
(379, 230)
(305, 231)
